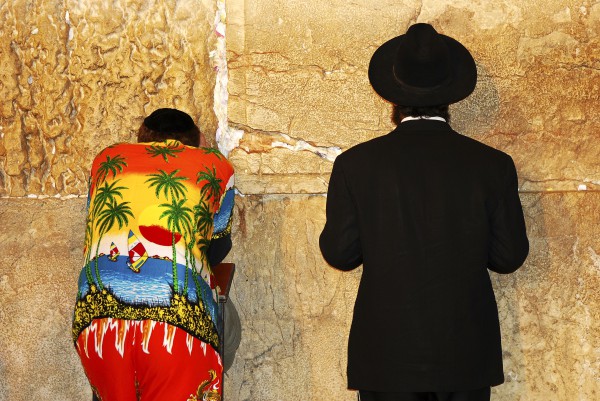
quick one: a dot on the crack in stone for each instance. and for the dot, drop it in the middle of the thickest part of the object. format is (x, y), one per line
(580, 184)
(282, 140)
(582, 66)
(417, 14)
(298, 145)
(36, 196)
(227, 137)
(342, 66)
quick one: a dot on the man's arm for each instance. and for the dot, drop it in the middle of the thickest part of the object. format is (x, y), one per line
(218, 249)
(509, 245)
(220, 243)
(340, 240)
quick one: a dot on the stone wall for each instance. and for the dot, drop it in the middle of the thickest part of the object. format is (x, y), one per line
(300, 93)
(77, 76)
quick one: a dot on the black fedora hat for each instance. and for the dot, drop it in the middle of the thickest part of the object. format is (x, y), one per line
(422, 68)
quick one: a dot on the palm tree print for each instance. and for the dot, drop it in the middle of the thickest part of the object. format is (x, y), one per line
(203, 245)
(170, 149)
(204, 224)
(114, 166)
(214, 151)
(104, 212)
(178, 220)
(104, 195)
(212, 187)
(203, 218)
(88, 250)
(113, 213)
(168, 183)
(179, 217)
(188, 257)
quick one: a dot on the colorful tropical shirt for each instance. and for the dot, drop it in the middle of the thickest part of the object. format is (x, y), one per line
(153, 209)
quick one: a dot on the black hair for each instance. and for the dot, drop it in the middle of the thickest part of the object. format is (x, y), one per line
(168, 123)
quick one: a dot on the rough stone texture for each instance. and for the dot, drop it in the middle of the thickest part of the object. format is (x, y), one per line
(40, 256)
(299, 91)
(550, 309)
(299, 69)
(78, 75)
(296, 310)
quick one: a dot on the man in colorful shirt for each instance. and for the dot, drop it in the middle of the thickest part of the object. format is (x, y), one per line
(145, 317)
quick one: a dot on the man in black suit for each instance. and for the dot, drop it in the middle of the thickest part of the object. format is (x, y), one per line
(427, 212)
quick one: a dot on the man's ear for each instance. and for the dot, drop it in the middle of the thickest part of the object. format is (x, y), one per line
(203, 142)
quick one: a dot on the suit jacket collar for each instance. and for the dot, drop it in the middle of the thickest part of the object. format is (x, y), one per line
(422, 126)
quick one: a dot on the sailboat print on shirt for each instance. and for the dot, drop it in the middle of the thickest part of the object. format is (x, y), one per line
(137, 253)
(114, 252)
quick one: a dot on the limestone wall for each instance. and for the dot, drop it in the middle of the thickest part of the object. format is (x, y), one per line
(299, 91)
(76, 76)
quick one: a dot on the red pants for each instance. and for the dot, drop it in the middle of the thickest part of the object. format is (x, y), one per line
(128, 360)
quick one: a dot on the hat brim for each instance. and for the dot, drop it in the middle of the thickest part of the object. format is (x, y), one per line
(462, 84)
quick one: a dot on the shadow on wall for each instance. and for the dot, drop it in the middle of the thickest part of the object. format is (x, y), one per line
(517, 294)
(476, 117)
(477, 114)
(261, 293)
(4, 395)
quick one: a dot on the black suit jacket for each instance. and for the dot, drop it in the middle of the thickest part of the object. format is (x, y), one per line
(427, 212)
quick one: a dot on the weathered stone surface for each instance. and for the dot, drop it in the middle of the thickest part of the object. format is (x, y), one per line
(300, 69)
(550, 309)
(296, 310)
(78, 76)
(40, 256)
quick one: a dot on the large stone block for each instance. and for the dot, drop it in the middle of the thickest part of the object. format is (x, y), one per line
(296, 310)
(550, 309)
(78, 76)
(300, 69)
(40, 257)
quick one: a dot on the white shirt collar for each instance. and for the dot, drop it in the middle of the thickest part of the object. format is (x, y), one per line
(410, 118)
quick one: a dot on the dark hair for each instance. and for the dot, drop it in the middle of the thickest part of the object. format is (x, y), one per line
(165, 124)
(430, 111)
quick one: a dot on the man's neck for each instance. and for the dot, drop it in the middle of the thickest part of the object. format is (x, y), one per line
(411, 118)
